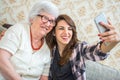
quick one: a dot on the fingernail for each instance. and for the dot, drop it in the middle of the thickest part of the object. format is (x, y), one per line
(98, 34)
(103, 40)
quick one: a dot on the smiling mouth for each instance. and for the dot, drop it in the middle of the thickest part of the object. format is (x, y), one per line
(65, 38)
(44, 28)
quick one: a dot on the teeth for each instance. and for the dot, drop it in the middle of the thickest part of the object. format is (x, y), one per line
(45, 29)
(65, 37)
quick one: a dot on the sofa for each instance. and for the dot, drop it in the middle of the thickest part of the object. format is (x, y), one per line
(97, 71)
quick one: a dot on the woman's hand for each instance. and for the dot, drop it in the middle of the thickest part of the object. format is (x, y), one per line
(112, 35)
(43, 77)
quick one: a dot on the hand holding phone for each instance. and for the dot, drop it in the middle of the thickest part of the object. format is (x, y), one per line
(101, 18)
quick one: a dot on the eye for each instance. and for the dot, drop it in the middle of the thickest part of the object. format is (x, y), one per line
(45, 17)
(52, 21)
(61, 28)
(70, 28)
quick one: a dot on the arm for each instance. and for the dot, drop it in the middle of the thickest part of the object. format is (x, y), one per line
(43, 77)
(112, 36)
(6, 67)
(45, 73)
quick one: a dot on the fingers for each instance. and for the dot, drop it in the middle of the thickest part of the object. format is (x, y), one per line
(108, 26)
(107, 33)
(109, 22)
(110, 36)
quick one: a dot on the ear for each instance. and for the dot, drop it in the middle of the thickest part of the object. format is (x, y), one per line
(31, 21)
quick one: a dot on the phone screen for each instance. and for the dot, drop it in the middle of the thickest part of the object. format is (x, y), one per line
(100, 18)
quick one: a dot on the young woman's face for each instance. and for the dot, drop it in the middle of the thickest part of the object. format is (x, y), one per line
(63, 33)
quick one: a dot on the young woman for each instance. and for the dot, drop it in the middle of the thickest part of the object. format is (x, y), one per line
(69, 54)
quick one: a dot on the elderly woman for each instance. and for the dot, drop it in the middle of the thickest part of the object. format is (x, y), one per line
(24, 54)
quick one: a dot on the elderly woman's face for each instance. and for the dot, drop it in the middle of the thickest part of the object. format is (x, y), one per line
(43, 23)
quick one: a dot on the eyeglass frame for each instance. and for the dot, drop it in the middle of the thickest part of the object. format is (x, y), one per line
(46, 19)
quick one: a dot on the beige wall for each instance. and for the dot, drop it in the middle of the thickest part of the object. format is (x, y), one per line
(82, 12)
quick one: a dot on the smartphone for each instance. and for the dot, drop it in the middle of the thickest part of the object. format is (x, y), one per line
(100, 18)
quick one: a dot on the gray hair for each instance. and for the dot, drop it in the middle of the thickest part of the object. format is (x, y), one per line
(43, 6)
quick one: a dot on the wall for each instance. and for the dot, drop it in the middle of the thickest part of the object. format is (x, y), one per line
(81, 11)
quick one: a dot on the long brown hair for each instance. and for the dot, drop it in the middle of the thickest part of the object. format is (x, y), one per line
(51, 40)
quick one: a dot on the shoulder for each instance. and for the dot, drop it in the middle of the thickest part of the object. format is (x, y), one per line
(45, 48)
(19, 26)
(80, 47)
(79, 44)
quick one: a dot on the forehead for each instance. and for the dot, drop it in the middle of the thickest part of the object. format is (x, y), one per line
(48, 15)
(63, 23)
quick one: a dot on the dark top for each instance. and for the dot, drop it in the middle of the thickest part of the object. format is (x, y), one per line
(81, 52)
(61, 72)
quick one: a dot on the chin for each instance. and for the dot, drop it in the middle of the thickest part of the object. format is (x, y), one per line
(43, 34)
(65, 43)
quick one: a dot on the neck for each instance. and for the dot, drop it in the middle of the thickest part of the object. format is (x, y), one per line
(34, 35)
(61, 48)
(36, 41)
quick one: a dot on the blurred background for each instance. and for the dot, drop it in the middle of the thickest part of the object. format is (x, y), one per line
(82, 12)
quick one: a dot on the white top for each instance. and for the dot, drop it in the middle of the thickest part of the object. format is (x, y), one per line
(29, 64)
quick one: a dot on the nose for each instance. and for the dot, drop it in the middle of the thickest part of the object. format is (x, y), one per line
(66, 32)
(47, 23)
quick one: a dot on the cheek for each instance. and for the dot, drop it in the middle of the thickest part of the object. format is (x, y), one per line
(49, 29)
(71, 33)
(57, 36)
(58, 33)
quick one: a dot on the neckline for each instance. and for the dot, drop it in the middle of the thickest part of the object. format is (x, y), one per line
(42, 41)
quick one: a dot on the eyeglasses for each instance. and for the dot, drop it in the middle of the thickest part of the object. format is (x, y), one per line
(46, 19)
